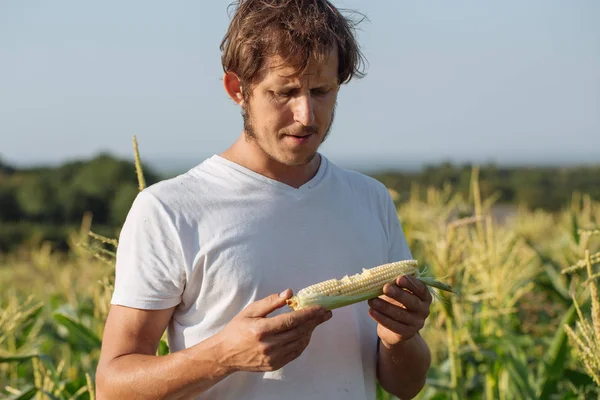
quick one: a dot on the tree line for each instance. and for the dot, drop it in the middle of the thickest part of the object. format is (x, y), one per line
(548, 188)
(47, 202)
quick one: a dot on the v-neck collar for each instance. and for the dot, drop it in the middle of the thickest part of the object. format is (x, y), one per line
(290, 190)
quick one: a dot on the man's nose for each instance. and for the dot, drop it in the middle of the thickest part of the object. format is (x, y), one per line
(304, 112)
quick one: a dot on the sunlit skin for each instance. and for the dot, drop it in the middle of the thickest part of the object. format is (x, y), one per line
(280, 107)
(404, 357)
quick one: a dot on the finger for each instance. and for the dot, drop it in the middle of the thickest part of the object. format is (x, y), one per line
(414, 285)
(396, 313)
(299, 343)
(275, 355)
(282, 353)
(410, 301)
(293, 349)
(292, 335)
(265, 306)
(302, 330)
(292, 355)
(293, 320)
(397, 327)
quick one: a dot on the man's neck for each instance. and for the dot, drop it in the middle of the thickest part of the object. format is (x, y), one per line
(255, 160)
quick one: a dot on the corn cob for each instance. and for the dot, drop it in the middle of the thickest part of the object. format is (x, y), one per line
(336, 293)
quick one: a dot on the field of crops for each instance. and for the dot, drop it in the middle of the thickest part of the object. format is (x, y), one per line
(525, 325)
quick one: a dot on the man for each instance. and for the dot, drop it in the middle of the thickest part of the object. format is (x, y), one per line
(208, 253)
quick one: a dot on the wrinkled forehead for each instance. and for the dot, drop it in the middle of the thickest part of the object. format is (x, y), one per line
(278, 70)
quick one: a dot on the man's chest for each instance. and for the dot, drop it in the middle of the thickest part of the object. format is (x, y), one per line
(287, 245)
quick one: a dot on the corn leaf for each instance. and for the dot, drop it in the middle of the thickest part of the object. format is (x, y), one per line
(557, 283)
(28, 324)
(50, 396)
(552, 366)
(519, 373)
(579, 379)
(54, 375)
(439, 384)
(163, 348)
(28, 393)
(575, 228)
(552, 280)
(7, 358)
(439, 396)
(79, 335)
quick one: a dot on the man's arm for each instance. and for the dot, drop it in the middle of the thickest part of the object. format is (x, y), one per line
(403, 356)
(402, 369)
(130, 369)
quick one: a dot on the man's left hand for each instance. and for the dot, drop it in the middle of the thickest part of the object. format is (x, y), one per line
(401, 311)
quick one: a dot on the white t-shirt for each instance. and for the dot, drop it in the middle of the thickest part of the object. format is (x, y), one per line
(221, 236)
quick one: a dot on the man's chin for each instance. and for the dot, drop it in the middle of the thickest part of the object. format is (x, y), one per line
(300, 160)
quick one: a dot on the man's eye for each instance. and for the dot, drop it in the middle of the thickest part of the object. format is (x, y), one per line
(319, 92)
(287, 93)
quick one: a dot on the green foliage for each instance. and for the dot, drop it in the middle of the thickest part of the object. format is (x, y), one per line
(121, 202)
(39, 197)
(5, 169)
(9, 207)
(505, 336)
(105, 187)
(35, 197)
(548, 188)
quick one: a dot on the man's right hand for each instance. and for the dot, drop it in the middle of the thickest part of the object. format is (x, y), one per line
(254, 342)
(130, 369)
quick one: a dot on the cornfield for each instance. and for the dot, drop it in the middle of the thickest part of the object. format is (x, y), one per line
(525, 324)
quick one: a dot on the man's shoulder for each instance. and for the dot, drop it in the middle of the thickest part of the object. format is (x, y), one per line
(169, 188)
(179, 189)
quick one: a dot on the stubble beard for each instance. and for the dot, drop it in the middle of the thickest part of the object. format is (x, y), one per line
(251, 136)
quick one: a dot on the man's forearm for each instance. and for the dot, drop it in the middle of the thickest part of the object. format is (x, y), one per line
(174, 376)
(402, 370)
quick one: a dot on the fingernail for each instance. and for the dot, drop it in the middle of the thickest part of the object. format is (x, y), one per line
(328, 315)
(284, 293)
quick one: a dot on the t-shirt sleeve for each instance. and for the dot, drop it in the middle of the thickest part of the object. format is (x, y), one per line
(399, 249)
(150, 268)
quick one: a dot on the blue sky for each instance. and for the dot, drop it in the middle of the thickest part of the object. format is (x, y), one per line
(507, 81)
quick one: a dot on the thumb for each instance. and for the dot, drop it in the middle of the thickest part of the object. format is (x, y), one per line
(265, 306)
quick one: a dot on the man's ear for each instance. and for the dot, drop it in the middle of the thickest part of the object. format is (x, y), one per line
(233, 87)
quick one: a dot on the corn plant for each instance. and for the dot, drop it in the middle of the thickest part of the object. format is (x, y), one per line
(586, 336)
(482, 345)
(525, 323)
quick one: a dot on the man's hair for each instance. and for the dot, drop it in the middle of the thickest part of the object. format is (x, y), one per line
(300, 32)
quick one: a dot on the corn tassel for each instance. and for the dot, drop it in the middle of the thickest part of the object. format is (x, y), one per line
(336, 293)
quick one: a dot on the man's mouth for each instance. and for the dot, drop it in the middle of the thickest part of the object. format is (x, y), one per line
(300, 139)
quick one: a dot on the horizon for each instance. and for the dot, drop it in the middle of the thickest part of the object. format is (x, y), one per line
(171, 165)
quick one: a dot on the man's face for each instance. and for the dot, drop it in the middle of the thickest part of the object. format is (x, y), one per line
(287, 118)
